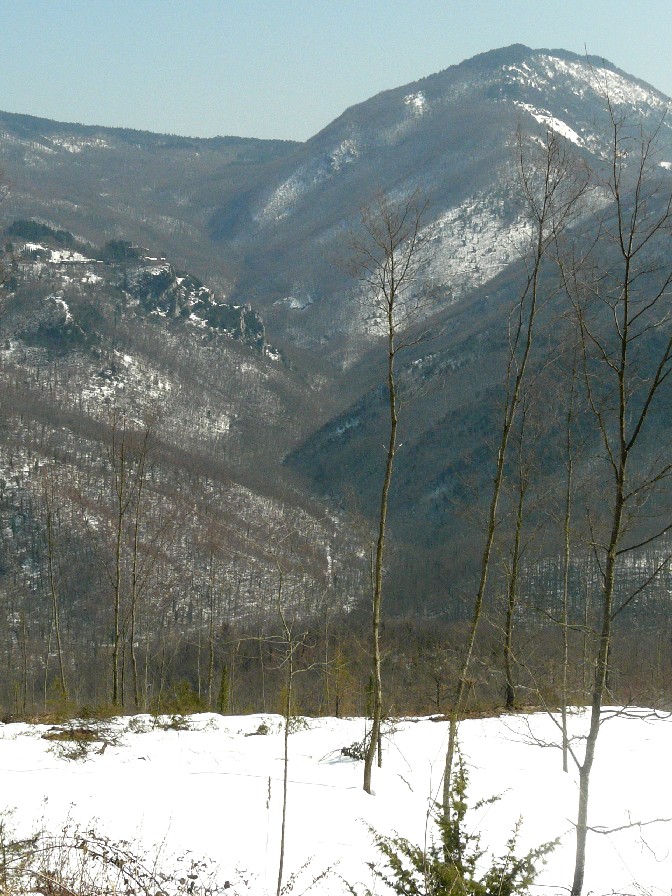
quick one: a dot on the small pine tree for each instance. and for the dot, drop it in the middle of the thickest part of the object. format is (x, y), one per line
(450, 864)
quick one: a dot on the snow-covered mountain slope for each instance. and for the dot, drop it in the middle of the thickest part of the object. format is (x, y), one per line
(279, 213)
(155, 189)
(449, 135)
(98, 340)
(265, 226)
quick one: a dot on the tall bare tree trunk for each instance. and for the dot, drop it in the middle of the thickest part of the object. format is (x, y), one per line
(55, 615)
(512, 594)
(211, 631)
(599, 687)
(287, 712)
(551, 189)
(566, 562)
(388, 258)
(136, 583)
(623, 312)
(376, 679)
(117, 456)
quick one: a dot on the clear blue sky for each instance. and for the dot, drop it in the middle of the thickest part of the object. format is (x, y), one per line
(284, 68)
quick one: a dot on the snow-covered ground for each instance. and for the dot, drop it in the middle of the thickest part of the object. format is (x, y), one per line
(215, 791)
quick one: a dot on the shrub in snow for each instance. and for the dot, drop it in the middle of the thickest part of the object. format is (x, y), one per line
(81, 862)
(454, 862)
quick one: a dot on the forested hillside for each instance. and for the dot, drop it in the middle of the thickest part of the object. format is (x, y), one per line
(195, 400)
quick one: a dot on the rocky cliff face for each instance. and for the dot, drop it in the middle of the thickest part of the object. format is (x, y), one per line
(125, 279)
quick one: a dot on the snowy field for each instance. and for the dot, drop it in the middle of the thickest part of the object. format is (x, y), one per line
(215, 791)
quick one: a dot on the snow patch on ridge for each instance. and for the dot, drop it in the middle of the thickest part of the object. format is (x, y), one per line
(579, 77)
(74, 145)
(63, 305)
(283, 198)
(307, 177)
(555, 124)
(59, 256)
(129, 378)
(295, 302)
(547, 74)
(523, 74)
(473, 242)
(344, 154)
(468, 246)
(582, 76)
(417, 102)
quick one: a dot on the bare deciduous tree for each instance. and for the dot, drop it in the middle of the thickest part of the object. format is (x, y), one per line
(127, 454)
(50, 510)
(622, 305)
(551, 183)
(388, 258)
(4, 192)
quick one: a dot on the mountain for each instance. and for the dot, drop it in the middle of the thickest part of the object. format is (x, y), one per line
(453, 135)
(238, 319)
(449, 135)
(265, 220)
(105, 183)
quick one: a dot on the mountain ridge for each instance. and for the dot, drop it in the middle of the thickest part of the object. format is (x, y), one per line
(34, 121)
(261, 222)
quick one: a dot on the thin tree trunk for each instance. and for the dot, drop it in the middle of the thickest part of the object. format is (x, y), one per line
(550, 204)
(211, 633)
(120, 476)
(285, 770)
(599, 686)
(24, 664)
(566, 560)
(45, 682)
(377, 691)
(135, 587)
(389, 259)
(508, 419)
(55, 616)
(512, 599)
(263, 674)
